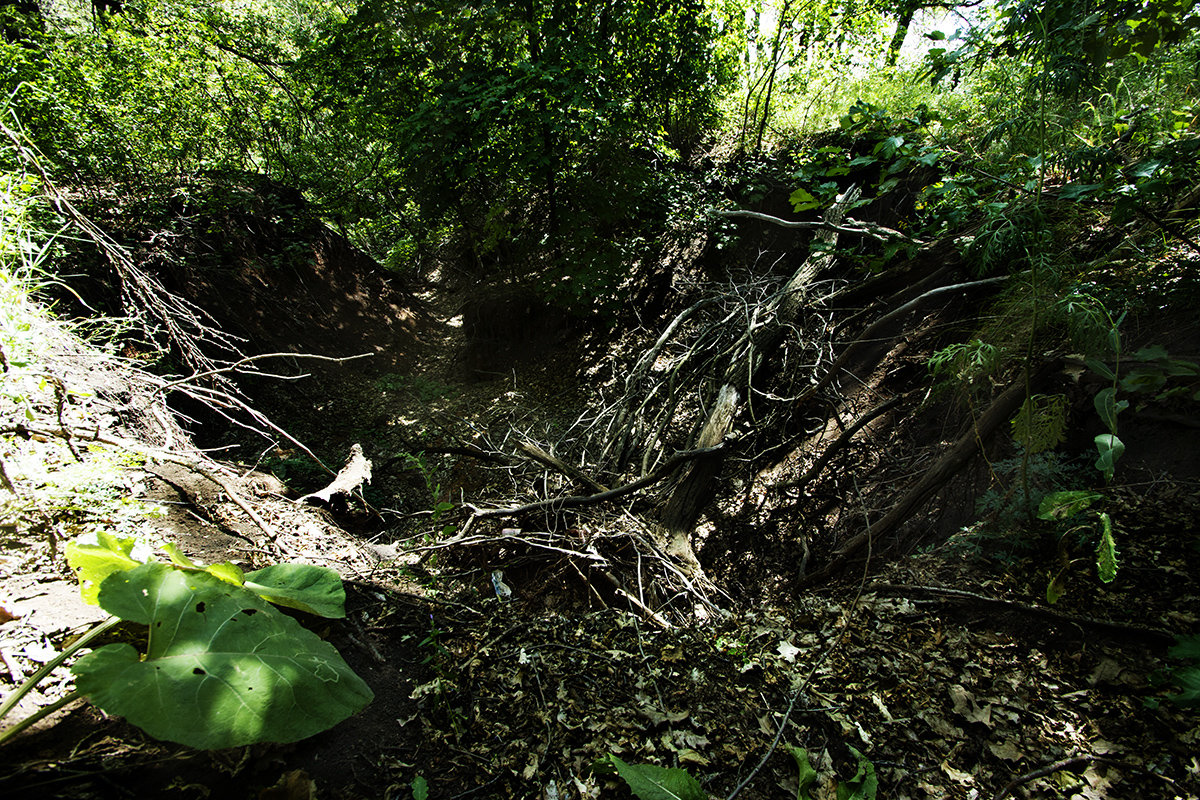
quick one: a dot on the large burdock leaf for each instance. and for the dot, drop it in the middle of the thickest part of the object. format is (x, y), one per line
(96, 561)
(222, 668)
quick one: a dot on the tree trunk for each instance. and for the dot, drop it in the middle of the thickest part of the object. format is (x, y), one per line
(692, 493)
(902, 22)
(946, 467)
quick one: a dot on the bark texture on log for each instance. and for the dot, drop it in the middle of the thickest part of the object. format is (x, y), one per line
(689, 496)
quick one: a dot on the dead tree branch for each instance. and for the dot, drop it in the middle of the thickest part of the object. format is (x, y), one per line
(553, 462)
(561, 503)
(1156, 636)
(852, 227)
(691, 493)
(237, 365)
(185, 324)
(842, 440)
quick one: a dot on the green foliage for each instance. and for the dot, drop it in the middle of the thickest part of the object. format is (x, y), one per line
(315, 590)
(1041, 424)
(864, 784)
(807, 776)
(1158, 376)
(883, 151)
(965, 363)
(1106, 550)
(425, 389)
(93, 562)
(222, 668)
(1062, 506)
(1110, 449)
(1185, 677)
(420, 788)
(648, 782)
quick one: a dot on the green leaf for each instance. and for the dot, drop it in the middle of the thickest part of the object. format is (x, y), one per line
(808, 775)
(1100, 368)
(316, 590)
(1111, 448)
(1107, 406)
(1152, 353)
(648, 782)
(928, 158)
(887, 148)
(1106, 551)
(1187, 679)
(1185, 647)
(803, 200)
(420, 788)
(864, 784)
(222, 668)
(1075, 191)
(1057, 587)
(1178, 367)
(225, 570)
(1064, 505)
(95, 562)
(1144, 379)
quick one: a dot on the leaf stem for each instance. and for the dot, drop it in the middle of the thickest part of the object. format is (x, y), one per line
(47, 668)
(41, 713)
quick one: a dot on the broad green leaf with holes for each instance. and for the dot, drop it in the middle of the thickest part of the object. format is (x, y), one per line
(93, 562)
(648, 782)
(222, 668)
(225, 570)
(316, 590)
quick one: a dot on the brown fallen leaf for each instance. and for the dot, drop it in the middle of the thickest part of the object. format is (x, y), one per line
(294, 785)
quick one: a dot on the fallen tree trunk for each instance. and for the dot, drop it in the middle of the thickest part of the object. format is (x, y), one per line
(999, 412)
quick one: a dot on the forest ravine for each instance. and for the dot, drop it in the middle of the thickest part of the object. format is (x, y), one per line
(691, 400)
